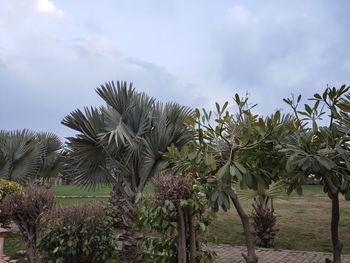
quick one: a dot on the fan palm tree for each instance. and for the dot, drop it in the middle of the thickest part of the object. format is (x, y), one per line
(121, 144)
(26, 155)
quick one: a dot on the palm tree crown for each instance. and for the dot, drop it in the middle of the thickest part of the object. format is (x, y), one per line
(26, 155)
(123, 140)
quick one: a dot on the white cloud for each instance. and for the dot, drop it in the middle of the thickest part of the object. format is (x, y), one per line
(46, 6)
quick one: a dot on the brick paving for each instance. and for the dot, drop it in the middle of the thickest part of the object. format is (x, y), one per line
(233, 254)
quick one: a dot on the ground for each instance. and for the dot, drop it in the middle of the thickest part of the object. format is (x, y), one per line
(303, 221)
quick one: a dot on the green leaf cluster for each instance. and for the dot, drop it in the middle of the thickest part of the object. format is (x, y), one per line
(82, 235)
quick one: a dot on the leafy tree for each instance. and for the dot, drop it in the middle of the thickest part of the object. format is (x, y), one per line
(322, 151)
(237, 152)
(121, 144)
(26, 155)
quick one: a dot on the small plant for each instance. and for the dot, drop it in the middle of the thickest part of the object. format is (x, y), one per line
(7, 188)
(25, 209)
(77, 233)
(264, 221)
(177, 214)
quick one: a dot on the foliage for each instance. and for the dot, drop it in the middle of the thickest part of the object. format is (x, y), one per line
(276, 190)
(264, 221)
(124, 139)
(322, 150)
(239, 152)
(77, 233)
(26, 155)
(7, 188)
(263, 217)
(233, 151)
(176, 198)
(121, 144)
(25, 209)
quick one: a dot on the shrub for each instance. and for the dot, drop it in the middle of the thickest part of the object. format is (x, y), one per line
(264, 221)
(25, 209)
(177, 215)
(7, 188)
(77, 233)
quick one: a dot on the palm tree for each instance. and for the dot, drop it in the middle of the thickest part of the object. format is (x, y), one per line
(121, 144)
(26, 155)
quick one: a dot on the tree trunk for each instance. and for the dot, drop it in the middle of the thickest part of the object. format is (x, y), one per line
(181, 229)
(192, 233)
(122, 205)
(337, 245)
(31, 253)
(251, 257)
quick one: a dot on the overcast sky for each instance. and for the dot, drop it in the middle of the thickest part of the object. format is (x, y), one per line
(53, 54)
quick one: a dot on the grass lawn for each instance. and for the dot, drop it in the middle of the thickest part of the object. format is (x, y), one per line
(303, 221)
(72, 190)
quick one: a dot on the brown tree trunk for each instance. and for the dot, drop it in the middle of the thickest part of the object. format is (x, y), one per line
(192, 233)
(31, 253)
(122, 205)
(251, 257)
(337, 245)
(181, 229)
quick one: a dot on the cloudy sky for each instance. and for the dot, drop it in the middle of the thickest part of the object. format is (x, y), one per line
(53, 54)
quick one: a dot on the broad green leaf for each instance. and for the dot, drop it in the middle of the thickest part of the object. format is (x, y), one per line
(223, 171)
(240, 167)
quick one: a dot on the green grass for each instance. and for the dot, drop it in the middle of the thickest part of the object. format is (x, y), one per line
(303, 220)
(13, 245)
(73, 190)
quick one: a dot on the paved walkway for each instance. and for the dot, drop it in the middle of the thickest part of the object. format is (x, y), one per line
(233, 254)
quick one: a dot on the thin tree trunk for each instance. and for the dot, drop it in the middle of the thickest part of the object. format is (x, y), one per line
(192, 233)
(31, 253)
(181, 235)
(251, 257)
(337, 245)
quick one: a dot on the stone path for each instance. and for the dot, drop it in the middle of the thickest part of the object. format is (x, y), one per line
(233, 254)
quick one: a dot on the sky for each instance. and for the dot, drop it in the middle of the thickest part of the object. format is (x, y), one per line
(53, 54)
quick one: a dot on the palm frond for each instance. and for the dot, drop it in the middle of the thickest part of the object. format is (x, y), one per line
(276, 190)
(24, 154)
(125, 138)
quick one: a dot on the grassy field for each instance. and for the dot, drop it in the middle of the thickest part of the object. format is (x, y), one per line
(303, 221)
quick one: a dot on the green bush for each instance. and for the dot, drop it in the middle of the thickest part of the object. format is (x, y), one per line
(175, 213)
(7, 188)
(77, 233)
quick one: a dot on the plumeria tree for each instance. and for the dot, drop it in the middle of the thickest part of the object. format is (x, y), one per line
(233, 151)
(320, 147)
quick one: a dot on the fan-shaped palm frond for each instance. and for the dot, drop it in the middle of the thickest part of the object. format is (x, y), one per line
(275, 190)
(51, 154)
(26, 155)
(125, 138)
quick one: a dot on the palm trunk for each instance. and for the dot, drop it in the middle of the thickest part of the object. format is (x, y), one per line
(251, 256)
(122, 205)
(337, 245)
